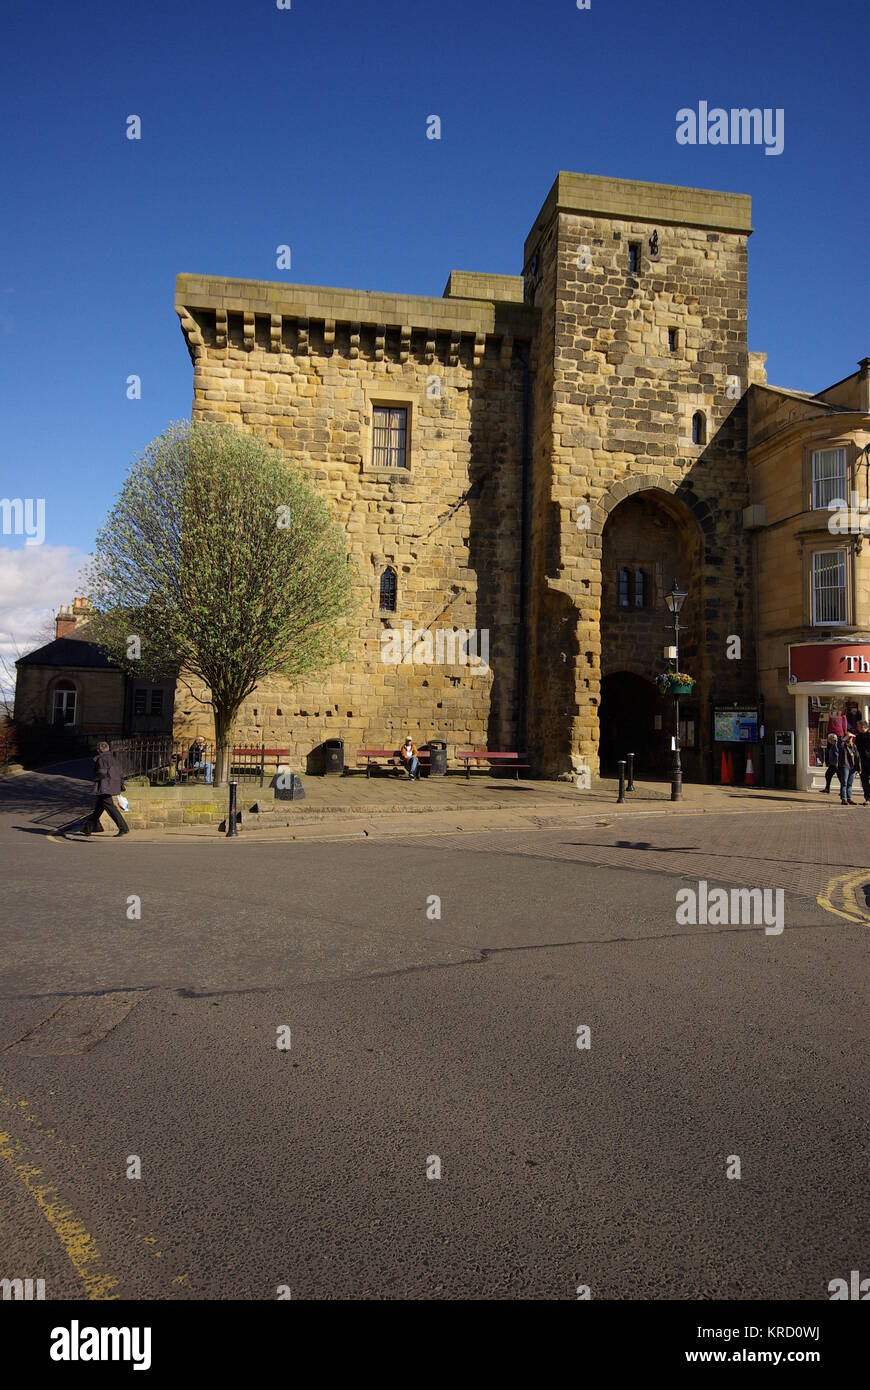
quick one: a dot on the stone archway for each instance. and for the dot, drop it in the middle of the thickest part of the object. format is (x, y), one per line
(649, 536)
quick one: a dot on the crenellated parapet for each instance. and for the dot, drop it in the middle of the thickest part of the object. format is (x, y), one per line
(223, 314)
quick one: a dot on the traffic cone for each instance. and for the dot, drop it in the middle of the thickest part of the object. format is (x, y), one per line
(725, 774)
(749, 779)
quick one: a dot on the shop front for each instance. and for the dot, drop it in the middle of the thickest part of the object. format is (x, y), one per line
(825, 678)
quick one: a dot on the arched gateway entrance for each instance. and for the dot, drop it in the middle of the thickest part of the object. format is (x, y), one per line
(649, 539)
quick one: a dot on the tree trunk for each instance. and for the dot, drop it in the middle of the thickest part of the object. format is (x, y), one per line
(223, 728)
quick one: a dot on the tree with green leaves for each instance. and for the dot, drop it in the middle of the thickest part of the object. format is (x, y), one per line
(220, 562)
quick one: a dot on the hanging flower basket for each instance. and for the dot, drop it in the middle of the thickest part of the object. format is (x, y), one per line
(675, 683)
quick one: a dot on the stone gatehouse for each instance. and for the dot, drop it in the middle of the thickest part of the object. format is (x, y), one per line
(532, 457)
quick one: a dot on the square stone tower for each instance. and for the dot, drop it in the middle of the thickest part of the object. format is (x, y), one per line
(638, 460)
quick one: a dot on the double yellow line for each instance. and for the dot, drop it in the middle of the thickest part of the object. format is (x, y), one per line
(840, 895)
(78, 1244)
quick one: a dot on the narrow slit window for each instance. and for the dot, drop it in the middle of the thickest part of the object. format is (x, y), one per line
(672, 340)
(639, 589)
(634, 257)
(699, 427)
(389, 589)
(623, 589)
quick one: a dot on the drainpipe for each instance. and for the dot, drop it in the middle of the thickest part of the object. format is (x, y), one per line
(522, 731)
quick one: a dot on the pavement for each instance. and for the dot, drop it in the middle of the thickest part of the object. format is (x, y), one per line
(288, 1040)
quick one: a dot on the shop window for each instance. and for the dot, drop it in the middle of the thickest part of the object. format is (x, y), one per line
(63, 706)
(828, 477)
(829, 587)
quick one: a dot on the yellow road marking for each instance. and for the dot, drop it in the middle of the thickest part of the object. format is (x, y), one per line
(24, 1111)
(78, 1244)
(841, 889)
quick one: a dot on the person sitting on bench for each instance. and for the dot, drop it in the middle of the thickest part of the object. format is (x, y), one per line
(408, 758)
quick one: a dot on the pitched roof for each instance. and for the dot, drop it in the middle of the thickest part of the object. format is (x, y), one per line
(68, 651)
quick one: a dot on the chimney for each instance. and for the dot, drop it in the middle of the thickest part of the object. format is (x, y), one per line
(864, 385)
(70, 616)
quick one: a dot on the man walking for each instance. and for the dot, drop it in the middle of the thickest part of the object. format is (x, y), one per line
(108, 783)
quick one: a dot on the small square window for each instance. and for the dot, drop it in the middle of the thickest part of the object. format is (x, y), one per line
(389, 436)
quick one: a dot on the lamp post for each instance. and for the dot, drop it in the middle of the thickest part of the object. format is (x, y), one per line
(675, 600)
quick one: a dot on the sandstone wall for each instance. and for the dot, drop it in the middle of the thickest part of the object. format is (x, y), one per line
(449, 525)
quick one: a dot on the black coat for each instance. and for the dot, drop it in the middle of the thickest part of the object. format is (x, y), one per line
(849, 758)
(108, 780)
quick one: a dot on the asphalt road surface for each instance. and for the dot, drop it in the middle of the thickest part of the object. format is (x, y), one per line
(420, 1042)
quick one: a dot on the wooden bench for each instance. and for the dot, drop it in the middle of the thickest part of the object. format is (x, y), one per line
(389, 757)
(495, 760)
(245, 758)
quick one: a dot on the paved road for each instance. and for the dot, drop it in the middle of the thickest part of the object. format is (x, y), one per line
(416, 1037)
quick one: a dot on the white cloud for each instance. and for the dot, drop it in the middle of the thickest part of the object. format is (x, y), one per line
(34, 581)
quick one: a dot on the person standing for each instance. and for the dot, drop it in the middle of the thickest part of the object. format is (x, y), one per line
(838, 724)
(108, 783)
(832, 760)
(862, 743)
(850, 763)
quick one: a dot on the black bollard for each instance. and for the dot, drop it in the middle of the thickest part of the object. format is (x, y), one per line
(231, 817)
(630, 783)
(621, 796)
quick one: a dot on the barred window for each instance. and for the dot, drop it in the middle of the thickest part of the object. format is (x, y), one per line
(829, 476)
(388, 591)
(389, 436)
(829, 587)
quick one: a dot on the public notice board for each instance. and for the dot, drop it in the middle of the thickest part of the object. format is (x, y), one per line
(735, 725)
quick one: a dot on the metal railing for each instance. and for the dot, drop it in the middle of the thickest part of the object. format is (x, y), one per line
(183, 762)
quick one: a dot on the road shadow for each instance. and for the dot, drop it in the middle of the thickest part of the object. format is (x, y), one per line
(43, 797)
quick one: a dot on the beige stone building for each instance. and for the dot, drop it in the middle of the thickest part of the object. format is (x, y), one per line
(522, 468)
(809, 460)
(68, 689)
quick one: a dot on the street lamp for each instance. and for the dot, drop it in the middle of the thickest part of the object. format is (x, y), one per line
(675, 600)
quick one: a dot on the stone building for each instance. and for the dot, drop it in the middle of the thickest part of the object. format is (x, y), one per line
(69, 689)
(522, 468)
(809, 460)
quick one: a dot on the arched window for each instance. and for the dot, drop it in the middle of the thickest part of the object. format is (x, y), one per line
(699, 427)
(388, 591)
(63, 703)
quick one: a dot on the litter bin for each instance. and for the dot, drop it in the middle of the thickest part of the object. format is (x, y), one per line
(333, 756)
(437, 758)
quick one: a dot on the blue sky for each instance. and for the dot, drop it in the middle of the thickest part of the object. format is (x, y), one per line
(307, 126)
